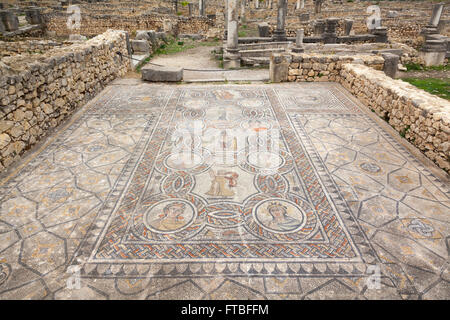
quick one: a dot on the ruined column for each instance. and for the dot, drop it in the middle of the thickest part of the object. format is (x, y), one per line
(302, 4)
(270, 4)
(297, 5)
(9, 19)
(318, 6)
(242, 16)
(190, 9)
(256, 4)
(330, 36)
(433, 52)
(231, 58)
(201, 7)
(299, 41)
(436, 15)
(432, 27)
(225, 20)
(280, 33)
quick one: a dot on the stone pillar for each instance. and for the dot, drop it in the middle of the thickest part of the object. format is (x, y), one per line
(201, 7)
(318, 6)
(270, 4)
(436, 15)
(302, 4)
(297, 5)
(190, 9)
(231, 58)
(299, 41)
(348, 24)
(319, 27)
(279, 67)
(175, 6)
(225, 15)
(390, 67)
(256, 4)
(9, 19)
(433, 52)
(280, 33)
(242, 15)
(432, 27)
(330, 36)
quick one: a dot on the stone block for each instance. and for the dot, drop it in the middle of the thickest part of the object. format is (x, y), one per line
(161, 74)
(263, 29)
(9, 19)
(390, 64)
(140, 46)
(142, 35)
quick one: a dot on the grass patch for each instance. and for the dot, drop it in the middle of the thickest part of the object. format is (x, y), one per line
(418, 67)
(242, 34)
(439, 87)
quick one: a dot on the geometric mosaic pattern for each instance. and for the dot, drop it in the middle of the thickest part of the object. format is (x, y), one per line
(137, 194)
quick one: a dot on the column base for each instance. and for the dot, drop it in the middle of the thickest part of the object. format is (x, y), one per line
(232, 64)
(298, 49)
(279, 35)
(231, 59)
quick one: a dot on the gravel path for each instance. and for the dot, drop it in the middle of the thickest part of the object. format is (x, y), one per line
(201, 58)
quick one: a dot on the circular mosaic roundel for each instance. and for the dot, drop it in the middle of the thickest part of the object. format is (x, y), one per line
(370, 167)
(279, 215)
(265, 160)
(280, 218)
(183, 160)
(169, 216)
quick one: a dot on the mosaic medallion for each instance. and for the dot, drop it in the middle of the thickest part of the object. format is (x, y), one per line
(169, 216)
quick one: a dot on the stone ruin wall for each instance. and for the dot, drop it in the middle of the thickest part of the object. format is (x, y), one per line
(421, 118)
(37, 93)
(92, 25)
(10, 48)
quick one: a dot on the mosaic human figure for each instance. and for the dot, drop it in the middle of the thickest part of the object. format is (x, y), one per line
(222, 183)
(171, 218)
(280, 218)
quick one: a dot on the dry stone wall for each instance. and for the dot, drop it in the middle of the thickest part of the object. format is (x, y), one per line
(9, 48)
(423, 119)
(95, 24)
(322, 67)
(38, 93)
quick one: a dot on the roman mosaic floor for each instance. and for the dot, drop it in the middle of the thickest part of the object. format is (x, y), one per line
(287, 191)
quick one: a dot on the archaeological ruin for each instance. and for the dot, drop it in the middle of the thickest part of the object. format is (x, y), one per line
(224, 149)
